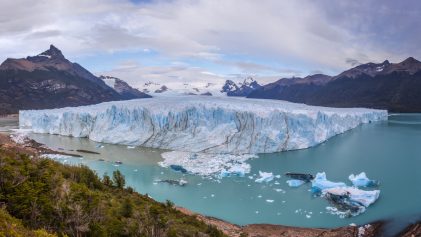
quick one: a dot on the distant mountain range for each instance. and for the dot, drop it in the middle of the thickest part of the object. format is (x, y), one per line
(242, 89)
(392, 86)
(49, 80)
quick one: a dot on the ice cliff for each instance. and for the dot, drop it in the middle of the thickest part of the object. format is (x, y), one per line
(201, 124)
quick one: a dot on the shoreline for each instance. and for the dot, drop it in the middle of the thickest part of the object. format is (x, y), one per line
(32, 147)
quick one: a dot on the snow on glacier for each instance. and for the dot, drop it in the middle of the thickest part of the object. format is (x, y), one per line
(202, 124)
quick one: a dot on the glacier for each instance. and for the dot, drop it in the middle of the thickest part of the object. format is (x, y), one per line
(202, 124)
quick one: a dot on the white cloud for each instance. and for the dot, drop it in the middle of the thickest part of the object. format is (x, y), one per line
(292, 32)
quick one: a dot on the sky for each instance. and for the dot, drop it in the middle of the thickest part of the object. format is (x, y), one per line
(213, 39)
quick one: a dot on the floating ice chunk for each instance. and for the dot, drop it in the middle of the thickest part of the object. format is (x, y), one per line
(99, 146)
(349, 201)
(269, 200)
(295, 182)
(363, 197)
(216, 165)
(131, 147)
(319, 183)
(308, 216)
(264, 177)
(361, 180)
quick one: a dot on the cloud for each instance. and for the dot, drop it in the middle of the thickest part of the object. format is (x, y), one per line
(314, 35)
(352, 62)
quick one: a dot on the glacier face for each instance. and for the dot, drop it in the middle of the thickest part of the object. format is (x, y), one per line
(215, 125)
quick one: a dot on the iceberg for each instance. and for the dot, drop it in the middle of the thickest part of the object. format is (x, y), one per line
(349, 201)
(320, 183)
(216, 165)
(201, 124)
(361, 180)
(295, 182)
(264, 177)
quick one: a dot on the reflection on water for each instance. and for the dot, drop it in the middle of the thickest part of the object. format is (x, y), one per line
(387, 151)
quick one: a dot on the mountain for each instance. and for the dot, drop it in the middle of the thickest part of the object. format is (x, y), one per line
(121, 87)
(392, 86)
(243, 89)
(49, 80)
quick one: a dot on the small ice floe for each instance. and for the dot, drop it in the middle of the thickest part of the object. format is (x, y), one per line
(257, 212)
(135, 170)
(208, 165)
(300, 176)
(212, 195)
(278, 176)
(260, 196)
(179, 182)
(269, 200)
(131, 147)
(278, 190)
(99, 146)
(264, 177)
(320, 183)
(295, 182)
(349, 201)
(308, 216)
(361, 180)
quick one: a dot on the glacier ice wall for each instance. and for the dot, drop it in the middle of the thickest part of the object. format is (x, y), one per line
(201, 124)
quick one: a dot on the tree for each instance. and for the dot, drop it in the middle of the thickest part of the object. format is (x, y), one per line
(106, 180)
(127, 208)
(119, 179)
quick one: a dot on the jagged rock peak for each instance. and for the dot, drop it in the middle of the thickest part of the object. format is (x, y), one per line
(52, 52)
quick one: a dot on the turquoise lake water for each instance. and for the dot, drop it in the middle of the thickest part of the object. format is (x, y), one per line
(388, 151)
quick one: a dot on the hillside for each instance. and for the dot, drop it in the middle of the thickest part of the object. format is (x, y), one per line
(392, 86)
(49, 80)
(40, 196)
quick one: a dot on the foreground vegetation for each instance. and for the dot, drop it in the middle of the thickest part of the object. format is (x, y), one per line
(40, 197)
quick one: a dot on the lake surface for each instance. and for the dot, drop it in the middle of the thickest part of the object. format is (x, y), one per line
(388, 151)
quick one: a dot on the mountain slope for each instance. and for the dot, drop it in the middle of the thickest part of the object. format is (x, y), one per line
(125, 90)
(392, 86)
(49, 80)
